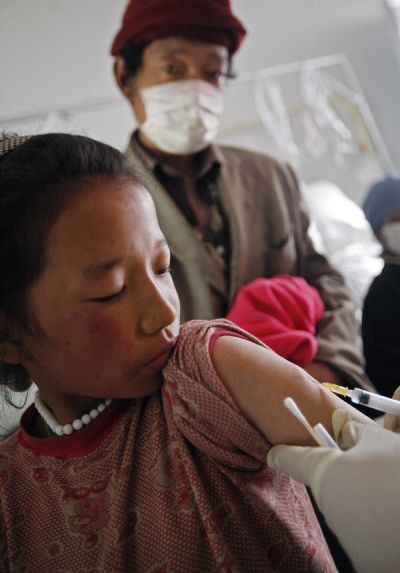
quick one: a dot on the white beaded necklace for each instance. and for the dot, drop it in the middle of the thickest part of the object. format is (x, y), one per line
(66, 429)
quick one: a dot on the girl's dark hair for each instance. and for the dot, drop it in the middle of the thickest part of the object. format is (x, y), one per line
(37, 180)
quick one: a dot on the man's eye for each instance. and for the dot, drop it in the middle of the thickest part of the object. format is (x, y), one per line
(170, 69)
(214, 74)
(108, 298)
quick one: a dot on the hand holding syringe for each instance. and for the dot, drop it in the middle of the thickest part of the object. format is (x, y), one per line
(355, 488)
(359, 396)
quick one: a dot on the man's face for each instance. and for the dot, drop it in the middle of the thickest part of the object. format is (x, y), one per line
(173, 59)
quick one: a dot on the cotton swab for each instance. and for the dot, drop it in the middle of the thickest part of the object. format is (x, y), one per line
(318, 432)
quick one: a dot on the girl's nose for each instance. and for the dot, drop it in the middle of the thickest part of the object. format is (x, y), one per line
(159, 311)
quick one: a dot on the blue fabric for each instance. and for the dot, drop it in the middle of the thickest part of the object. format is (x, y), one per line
(382, 199)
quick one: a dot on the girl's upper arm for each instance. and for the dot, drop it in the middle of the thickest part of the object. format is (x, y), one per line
(259, 380)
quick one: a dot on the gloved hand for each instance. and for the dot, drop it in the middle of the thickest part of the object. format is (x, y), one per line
(390, 421)
(357, 490)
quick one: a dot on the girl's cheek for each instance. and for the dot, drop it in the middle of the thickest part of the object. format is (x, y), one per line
(106, 334)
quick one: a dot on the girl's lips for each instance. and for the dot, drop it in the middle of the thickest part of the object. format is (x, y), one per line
(161, 360)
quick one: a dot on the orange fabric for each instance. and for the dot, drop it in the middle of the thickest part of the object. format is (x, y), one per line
(179, 484)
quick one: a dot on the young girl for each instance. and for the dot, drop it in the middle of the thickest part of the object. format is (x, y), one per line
(146, 447)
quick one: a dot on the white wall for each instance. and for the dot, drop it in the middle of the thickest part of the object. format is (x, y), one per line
(282, 31)
(55, 52)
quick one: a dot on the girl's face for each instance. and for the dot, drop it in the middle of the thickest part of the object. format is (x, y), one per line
(105, 301)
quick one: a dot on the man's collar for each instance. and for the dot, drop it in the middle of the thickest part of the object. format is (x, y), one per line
(210, 160)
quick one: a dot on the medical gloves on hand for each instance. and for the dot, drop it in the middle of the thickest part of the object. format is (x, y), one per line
(357, 490)
(392, 422)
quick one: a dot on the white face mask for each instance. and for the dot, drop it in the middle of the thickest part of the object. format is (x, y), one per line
(391, 237)
(182, 117)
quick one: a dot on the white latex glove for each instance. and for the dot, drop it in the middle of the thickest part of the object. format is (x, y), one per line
(390, 421)
(357, 490)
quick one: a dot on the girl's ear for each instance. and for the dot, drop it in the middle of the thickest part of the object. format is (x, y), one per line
(125, 83)
(10, 344)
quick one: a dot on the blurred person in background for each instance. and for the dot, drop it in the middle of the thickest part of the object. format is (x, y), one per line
(381, 311)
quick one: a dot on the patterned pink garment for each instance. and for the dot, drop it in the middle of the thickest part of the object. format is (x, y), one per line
(174, 483)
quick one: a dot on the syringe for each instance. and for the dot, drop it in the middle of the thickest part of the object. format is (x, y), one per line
(359, 396)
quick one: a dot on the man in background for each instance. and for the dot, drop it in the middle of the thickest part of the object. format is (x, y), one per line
(229, 215)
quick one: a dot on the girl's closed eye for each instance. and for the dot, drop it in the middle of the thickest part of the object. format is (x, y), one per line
(108, 298)
(164, 271)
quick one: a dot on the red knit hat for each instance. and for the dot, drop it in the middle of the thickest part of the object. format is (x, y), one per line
(209, 21)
